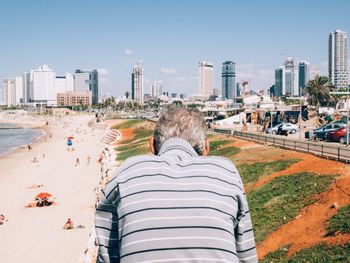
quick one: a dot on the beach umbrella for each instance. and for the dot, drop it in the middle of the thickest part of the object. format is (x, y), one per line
(43, 195)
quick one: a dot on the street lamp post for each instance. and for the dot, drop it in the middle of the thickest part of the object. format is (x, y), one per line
(271, 122)
(300, 112)
(347, 111)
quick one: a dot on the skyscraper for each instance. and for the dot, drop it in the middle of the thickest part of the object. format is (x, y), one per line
(137, 83)
(338, 58)
(279, 82)
(206, 78)
(228, 80)
(86, 81)
(157, 88)
(304, 76)
(290, 78)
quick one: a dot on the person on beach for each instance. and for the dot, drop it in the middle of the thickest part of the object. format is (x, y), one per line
(69, 224)
(88, 159)
(176, 205)
(2, 219)
(77, 162)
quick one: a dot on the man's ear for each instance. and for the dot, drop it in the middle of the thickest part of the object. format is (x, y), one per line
(206, 148)
(151, 144)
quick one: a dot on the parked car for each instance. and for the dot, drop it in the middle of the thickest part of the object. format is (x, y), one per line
(289, 127)
(343, 139)
(336, 135)
(321, 133)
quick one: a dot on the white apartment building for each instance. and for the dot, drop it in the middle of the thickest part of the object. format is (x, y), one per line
(19, 90)
(338, 58)
(69, 82)
(44, 88)
(206, 78)
(13, 91)
(157, 88)
(9, 87)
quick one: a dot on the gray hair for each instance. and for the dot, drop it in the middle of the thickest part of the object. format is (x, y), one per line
(180, 122)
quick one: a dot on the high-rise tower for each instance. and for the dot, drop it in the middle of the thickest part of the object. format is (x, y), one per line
(228, 80)
(206, 78)
(137, 83)
(304, 76)
(338, 58)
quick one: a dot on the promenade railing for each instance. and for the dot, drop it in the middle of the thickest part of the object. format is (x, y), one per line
(331, 151)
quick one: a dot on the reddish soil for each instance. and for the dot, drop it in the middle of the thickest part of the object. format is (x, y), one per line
(307, 163)
(126, 134)
(309, 227)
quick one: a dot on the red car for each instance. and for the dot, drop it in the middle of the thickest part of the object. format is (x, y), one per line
(336, 135)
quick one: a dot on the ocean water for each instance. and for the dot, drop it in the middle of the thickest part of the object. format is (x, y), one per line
(11, 139)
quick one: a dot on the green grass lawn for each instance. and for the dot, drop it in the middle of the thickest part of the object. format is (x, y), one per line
(131, 144)
(136, 145)
(321, 253)
(142, 133)
(215, 145)
(220, 148)
(340, 222)
(252, 172)
(280, 200)
(127, 124)
(123, 155)
(225, 152)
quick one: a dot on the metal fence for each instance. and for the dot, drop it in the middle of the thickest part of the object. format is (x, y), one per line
(340, 152)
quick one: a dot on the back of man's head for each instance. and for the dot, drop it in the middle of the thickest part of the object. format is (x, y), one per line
(180, 122)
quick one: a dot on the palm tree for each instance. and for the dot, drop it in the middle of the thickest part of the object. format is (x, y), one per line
(318, 90)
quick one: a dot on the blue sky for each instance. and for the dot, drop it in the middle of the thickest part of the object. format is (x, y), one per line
(170, 37)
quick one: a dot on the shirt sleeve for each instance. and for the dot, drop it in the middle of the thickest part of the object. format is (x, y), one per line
(244, 236)
(106, 225)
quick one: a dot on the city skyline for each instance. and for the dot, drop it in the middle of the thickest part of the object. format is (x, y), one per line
(170, 38)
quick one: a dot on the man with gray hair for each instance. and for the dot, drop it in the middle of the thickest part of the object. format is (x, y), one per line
(177, 205)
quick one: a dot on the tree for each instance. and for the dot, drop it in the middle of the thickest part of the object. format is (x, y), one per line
(318, 90)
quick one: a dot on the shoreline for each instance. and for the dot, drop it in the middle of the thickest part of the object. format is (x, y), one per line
(37, 140)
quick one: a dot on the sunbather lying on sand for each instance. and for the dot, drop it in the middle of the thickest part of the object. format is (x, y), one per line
(36, 186)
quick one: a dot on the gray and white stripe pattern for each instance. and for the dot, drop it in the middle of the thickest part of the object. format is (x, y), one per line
(175, 207)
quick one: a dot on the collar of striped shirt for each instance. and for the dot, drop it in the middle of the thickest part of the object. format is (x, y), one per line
(177, 147)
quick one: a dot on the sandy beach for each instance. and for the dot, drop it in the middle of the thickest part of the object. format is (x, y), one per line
(36, 234)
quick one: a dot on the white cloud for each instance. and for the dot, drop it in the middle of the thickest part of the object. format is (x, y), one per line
(168, 70)
(102, 72)
(129, 52)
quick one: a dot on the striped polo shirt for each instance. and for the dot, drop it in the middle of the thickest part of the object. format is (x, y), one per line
(175, 207)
